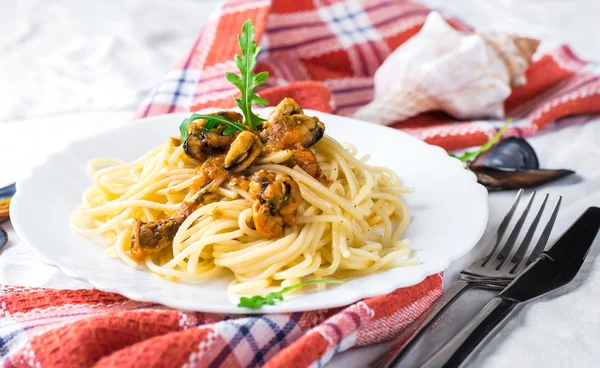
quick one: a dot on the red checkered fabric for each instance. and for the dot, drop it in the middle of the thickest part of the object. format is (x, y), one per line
(323, 53)
(84, 328)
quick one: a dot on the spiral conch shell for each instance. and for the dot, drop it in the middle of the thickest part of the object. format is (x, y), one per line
(466, 75)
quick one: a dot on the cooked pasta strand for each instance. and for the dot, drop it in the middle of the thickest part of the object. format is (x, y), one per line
(351, 228)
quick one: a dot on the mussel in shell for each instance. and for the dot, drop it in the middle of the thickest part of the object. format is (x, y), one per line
(243, 151)
(512, 164)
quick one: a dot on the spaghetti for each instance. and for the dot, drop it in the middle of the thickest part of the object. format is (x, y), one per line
(352, 226)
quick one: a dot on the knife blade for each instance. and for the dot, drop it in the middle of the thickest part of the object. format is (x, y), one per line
(553, 269)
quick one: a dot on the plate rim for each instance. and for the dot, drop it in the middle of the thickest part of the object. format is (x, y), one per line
(279, 308)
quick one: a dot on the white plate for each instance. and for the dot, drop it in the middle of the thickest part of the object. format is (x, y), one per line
(449, 210)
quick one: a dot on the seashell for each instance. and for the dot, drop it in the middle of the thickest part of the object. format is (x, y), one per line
(466, 75)
(512, 164)
(496, 178)
(512, 152)
(516, 52)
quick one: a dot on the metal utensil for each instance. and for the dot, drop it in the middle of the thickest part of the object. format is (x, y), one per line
(553, 269)
(495, 270)
(6, 193)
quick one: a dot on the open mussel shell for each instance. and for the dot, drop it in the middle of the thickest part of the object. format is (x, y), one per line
(514, 153)
(512, 164)
(495, 178)
(6, 194)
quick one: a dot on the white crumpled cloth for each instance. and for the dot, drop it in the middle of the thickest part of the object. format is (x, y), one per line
(70, 68)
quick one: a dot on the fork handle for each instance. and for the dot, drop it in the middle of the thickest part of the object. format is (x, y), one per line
(417, 328)
(460, 347)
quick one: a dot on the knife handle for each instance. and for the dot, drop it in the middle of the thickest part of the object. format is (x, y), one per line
(408, 337)
(455, 351)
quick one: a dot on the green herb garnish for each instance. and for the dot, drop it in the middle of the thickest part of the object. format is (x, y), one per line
(257, 301)
(211, 120)
(472, 154)
(247, 80)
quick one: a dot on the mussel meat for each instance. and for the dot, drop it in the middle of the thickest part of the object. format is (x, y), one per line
(200, 143)
(287, 125)
(243, 151)
(276, 200)
(512, 164)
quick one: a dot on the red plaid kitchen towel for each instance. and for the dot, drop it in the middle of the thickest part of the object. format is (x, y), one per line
(84, 328)
(323, 53)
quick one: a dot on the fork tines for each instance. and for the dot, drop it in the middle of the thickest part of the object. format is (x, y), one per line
(509, 259)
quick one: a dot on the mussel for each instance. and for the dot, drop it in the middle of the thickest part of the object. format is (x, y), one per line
(287, 125)
(276, 200)
(512, 164)
(200, 143)
(243, 151)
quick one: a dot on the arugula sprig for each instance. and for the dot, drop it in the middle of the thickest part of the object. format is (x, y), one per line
(247, 80)
(467, 156)
(211, 121)
(257, 301)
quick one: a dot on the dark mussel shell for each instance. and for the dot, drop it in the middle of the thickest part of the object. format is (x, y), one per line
(512, 164)
(513, 153)
(495, 178)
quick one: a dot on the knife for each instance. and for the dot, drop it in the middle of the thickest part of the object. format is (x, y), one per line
(554, 268)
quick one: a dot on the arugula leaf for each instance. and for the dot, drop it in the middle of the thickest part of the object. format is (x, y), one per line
(211, 121)
(257, 301)
(486, 146)
(247, 80)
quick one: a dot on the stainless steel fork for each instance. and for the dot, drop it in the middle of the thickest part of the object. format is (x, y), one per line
(495, 270)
